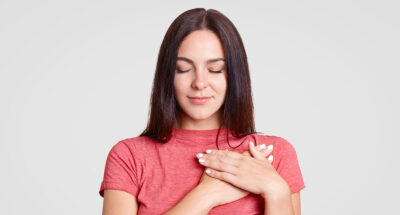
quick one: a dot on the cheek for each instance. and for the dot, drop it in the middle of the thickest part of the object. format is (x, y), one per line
(220, 85)
(180, 86)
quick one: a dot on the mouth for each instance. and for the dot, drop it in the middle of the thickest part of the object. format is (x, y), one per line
(199, 100)
(199, 97)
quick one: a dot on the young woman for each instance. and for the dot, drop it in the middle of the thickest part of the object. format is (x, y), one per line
(200, 153)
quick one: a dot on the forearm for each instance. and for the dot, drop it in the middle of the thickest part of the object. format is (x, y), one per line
(280, 204)
(197, 202)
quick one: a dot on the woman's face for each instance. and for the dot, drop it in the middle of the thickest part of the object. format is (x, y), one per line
(200, 72)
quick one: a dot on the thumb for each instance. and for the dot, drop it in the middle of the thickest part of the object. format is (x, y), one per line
(255, 153)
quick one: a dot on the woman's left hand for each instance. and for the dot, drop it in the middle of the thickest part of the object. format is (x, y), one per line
(252, 173)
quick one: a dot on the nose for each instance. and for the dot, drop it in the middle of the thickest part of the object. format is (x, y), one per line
(200, 81)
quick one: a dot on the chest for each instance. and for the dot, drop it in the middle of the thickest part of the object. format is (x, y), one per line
(173, 174)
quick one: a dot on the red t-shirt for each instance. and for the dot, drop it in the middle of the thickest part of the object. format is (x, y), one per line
(160, 175)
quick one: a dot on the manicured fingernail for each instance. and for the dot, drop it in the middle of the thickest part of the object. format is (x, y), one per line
(199, 155)
(270, 147)
(208, 151)
(208, 171)
(251, 144)
(201, 160)
(270, 158)
(262, 146)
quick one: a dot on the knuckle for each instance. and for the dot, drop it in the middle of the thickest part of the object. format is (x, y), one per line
(238, 164)
(219, 165)
(223, 176)
(246, 158)
(265, 151)
(221, 156)
(235, 155)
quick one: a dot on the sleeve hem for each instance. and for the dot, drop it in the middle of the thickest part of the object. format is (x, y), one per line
(297, 189)
(117, 186)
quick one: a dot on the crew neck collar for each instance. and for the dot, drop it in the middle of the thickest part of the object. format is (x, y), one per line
(208, 136)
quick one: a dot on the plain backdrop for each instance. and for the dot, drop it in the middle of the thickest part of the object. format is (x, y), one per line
(76, 77)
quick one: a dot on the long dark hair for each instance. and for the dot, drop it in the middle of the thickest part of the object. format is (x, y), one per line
(237, 109)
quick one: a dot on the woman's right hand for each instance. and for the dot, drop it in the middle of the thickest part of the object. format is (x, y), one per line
(223, 192)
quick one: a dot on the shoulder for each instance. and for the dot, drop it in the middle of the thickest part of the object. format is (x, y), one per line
(282, 146)
(285, 161)
(277, 141)
(131, 145)
(137, 141)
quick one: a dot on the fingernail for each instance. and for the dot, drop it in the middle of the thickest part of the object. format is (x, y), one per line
(251, 144)
(201, 160)
(270, 158)
(208, 171)
(199, 155)
(270, 147)
(208, 151)
(262, 146)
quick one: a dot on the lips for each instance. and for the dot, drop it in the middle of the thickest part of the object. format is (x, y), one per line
(199, 100)
(199, 97)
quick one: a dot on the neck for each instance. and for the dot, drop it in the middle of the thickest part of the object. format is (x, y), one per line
(185, 122)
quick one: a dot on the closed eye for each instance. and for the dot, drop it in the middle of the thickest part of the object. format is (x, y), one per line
(181, 71)
(219, 71)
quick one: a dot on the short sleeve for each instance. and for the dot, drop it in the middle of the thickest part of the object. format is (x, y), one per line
(120, 170)
(287, 165)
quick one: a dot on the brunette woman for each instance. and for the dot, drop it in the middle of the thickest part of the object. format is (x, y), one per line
(200, 153)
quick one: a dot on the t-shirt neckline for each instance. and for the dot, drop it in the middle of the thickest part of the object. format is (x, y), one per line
(208, 136)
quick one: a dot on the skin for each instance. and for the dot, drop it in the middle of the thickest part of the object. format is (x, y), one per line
(198, 80)
(224, 190)
(248, 172)
(251, 173)
(233, 175)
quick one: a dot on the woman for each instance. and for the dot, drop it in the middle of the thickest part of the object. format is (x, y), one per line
(200, 153)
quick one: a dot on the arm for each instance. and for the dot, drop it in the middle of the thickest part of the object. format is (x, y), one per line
(289, 169)
(117, 202)
(296, 203)
(209, 193)
(283, 204)
(255, 176)
(119, 187)
(197, 201)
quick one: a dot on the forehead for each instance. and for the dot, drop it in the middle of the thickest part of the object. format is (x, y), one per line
(201, 46)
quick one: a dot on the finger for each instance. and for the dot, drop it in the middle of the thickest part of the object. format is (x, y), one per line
(233, 154)
(265, 153)
(246, 153)
(270, 159)
(261, 147)
(266, 150)
(255, 153)
(223, 153)
(220, 162)
(225, 176)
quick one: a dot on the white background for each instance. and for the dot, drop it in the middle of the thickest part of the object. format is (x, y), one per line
(76, 76)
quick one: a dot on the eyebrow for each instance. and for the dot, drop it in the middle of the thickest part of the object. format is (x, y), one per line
(208, 61)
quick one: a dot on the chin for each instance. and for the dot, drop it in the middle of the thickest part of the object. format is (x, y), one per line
(199, 116)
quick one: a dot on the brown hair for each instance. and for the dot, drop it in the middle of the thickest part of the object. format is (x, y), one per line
(237, 109)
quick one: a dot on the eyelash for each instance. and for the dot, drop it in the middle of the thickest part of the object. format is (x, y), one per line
(180, 71)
